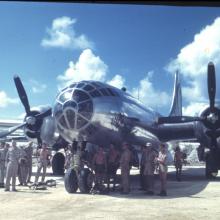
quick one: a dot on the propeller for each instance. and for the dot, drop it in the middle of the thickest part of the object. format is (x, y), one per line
(33, 119)
(22, 94)
(211, 86)
(210, 118)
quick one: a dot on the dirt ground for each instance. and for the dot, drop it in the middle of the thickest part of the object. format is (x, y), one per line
(192, 198)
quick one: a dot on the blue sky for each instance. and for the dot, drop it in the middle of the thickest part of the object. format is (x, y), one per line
(138, 46)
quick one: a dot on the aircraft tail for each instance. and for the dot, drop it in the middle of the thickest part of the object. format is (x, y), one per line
(176, 107)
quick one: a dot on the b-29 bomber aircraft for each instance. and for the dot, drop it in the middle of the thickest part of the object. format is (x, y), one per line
(95, 112)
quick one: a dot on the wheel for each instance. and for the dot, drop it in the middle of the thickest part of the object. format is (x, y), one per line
(210, 170)
(58, 161)
(86, 180)
(70, 181)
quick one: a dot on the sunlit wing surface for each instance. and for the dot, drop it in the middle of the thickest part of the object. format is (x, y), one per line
(7, 124)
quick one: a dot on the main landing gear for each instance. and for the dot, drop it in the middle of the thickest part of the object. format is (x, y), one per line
(211, 170)
(78, 176)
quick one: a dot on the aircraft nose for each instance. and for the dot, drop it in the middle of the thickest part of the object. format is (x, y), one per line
(73, 109)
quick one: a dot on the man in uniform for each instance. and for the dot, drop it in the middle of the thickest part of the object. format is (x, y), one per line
(22, 167)
(112, 165)
(178, 162)
(162, 161)
(29, 153)
(142, 162)
(12, 158)
(3, 152)
(42, 162)
(149, 167)
(99, 164)
(125, 168)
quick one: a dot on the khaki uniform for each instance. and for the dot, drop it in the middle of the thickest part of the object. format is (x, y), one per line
(125, 170)
(142, 163)
(162, 165)
(22, 168)
(12, 158)
(162, 159)
(149, 167)
(3, 153)
(29, 153)
(42, 163)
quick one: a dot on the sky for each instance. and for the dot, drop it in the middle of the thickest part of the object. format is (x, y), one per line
(50, 45)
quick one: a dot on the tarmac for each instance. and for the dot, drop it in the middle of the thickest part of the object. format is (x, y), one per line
(192, 198)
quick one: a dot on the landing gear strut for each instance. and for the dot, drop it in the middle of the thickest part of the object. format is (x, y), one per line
(78, 176)
(211, 170)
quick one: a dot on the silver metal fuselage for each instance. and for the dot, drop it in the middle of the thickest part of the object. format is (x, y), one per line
(81, 114)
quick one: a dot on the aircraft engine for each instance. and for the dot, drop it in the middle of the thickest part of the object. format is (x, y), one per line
(38, 122)
(42, 129)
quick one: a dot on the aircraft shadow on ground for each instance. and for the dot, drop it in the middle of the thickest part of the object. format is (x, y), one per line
(193, 182)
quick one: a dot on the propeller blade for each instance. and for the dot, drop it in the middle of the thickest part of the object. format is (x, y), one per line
(213, 134)
(211, 85)
(177, 119)
(22, 94)
(44, 114)
(11, 130)
(39, 140)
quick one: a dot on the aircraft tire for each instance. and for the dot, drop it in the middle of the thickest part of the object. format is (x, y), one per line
(70, 181)
(58, 161)
(210, 170)
(85, 180)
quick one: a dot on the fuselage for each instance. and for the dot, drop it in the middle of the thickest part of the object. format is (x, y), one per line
(100, 114)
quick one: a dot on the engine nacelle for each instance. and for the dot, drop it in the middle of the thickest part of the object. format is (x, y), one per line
(43, 128)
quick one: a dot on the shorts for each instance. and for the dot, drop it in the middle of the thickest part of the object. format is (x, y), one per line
(178, 165)
(112, 169)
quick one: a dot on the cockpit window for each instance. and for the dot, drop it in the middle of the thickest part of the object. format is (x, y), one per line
(80, 122)
(104, 92)
(95, 84)
(72, 85)
(88, 88)
(70, 115)
(70, 104)
(86, 109)
(80, 96)
(95, 93)
(80, 85)
(112, 92)
(62, 121)
(65, 96)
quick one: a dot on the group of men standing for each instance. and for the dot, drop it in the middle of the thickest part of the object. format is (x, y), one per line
(105, 165)
(17, 162)
(151, 162)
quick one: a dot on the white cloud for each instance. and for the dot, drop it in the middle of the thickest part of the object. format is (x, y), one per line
(192, 62)
(194, 108)
(88, 67)
(149, 95)
(62, 34)
(6, 101)
(117, 81)
(91, 67)
(37, 87)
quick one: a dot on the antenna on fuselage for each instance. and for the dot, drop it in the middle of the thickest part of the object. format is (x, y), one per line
(124, 89)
